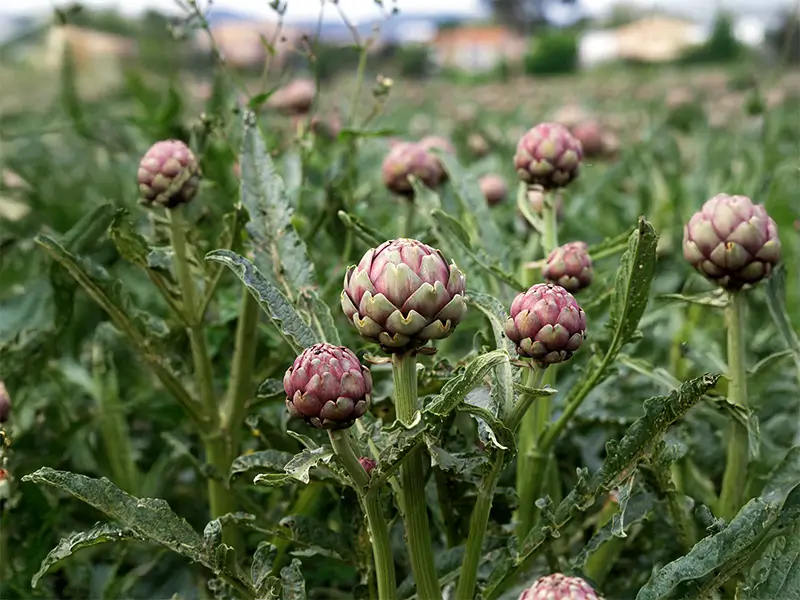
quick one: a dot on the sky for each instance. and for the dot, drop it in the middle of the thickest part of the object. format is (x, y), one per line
(365, 9)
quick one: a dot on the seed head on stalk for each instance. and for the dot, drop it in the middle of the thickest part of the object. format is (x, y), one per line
(403, 294)
(732, 241)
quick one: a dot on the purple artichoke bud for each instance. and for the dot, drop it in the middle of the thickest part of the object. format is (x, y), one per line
(402, 294)
(328, 387)
(438, 142)
(494, 189)
(569, 266)
(546, 324)
(548, 155)
(168, 174)
(295, 98)
(5, 403)
(408, 158)
(367, 463)
(732, 241)
(559, 587)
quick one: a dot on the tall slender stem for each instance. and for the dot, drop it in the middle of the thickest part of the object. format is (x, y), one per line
(220, 500)
(734, 480)
(412, 483)
(370, 500)
(408, 223)
(241, 383)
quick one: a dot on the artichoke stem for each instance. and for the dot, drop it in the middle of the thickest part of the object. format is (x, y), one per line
(412, 483)
(734, 480)
(370, 501)
(408, 224)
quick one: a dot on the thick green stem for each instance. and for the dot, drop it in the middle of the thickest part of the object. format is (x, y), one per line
(735, 479)
(531, 466)
(220, 500)
(602, 560)
(408, 223)
(412, 483)
(370, 500)
(477, 530)
(549, 224)
(241, 386)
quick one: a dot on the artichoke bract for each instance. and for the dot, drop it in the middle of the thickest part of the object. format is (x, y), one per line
(405, 159)
(168, 174)
(367, 463)
(732, 241)
(559, 587)
(546, 324)
(328, 387)
(548, 155)
(403, 294)
(494, 189)
(569, 266)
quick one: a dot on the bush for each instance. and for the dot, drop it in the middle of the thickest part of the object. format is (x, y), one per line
(552, 53)
(414, 61)
(722, 46)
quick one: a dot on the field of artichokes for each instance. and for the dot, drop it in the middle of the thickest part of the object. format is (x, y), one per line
(431, 342)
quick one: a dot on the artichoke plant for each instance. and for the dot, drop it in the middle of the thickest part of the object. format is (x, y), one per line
(410, 159)
(548, 155)
(732, 241)
(168, 174)
(559, 587)
(546, 324)
(494, 189)
(328, 387)
(403, 294)
(569, 266)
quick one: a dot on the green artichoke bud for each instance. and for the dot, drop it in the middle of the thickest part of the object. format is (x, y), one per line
(494, 189)
(168, 174)
(548, 155)
(405, 159)
(403, 294)
(570, 267)
(732, 241)
(546, 324)
(559, 587)
(328, 387)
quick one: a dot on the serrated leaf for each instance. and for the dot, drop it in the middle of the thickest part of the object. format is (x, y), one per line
(276, 242)
(294, 586)
(368, 234)
(776, 573)
(501, 436)
(270, 388)
(301, 464)
(495, 312)
(623, 496)
(99, 534)
(274, 460)
(317, 539)
(129, 243)
(399, 442)
(261, 568)
(149, 519)
(272, 479)
(92, 227)
(274, 303)
(716, 298)
(459, 463)
(632, 284)
(321, 317)
(456, 389)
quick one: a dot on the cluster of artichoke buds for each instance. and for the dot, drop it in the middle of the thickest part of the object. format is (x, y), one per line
(494, 189)
(732, 242)
(328, 387)
(406, 159)
(569, 266)
(559, 587)
(168, 174)
(546, 323)
(403, 294)
(548, 155)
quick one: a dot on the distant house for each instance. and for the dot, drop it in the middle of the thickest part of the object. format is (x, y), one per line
(249, 43)
(476, 48)
(88, 46)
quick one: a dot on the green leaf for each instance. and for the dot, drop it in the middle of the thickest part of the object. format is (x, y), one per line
(277, 243)
(456, 389)
(321, 317)
(776, 573)
(632, 284)
(261, 568)
(316, 538)
(274, 303)
(274, 460)
(716, 298)
(99, 534)
(500, 435)
(92, 227)
(270, 388)
(400, 441)
(349, 133)
(368, 234)
(301, 464)
(495, 312)
(148, 519)
(294, 586)
(455, 234)
(459, 463)
(609, 247)
(618, 519)
(129, 243)
(776, 302)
